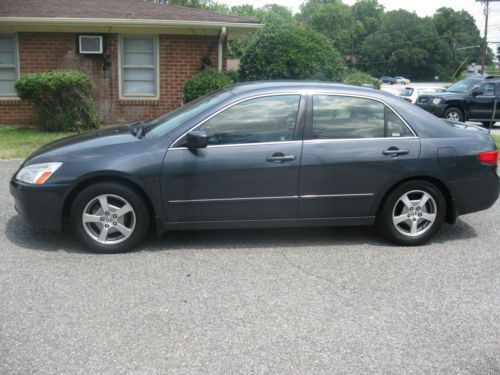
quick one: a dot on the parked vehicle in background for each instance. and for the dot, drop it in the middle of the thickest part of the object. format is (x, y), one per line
(388, 80)
(471, 99)
(396, 91)
(402, 80)
(410, 94)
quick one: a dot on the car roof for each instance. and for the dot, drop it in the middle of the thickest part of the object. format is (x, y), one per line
(276, 86)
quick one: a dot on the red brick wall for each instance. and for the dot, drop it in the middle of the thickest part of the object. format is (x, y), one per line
(180, 58)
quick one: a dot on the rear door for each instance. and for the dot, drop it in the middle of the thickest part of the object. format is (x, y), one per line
(250, 169)
(354, 147)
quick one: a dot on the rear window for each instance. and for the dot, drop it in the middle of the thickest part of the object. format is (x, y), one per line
(407, 91)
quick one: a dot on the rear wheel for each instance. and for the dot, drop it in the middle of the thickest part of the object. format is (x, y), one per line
(412, 213)
(454, 114)
(109, 218)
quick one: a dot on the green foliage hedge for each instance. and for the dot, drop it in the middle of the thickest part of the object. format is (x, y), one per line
(358, 78)
(62, 100)
(291, 52)
(204, 82)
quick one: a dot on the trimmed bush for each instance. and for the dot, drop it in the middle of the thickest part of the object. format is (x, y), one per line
(359, 78)
(291, 52)
(204, 82)
(62, 100)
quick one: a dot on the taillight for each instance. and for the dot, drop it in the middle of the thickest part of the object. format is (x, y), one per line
(407, 99)
(488, 157)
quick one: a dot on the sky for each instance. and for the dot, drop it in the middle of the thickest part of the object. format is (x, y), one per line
(421, 7)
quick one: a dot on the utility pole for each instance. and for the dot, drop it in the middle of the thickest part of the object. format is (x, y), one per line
(485, 41)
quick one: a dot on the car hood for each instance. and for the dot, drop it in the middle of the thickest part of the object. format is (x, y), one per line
(83, 143)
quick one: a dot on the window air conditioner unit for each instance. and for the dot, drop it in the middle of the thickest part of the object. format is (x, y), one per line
(90, 44)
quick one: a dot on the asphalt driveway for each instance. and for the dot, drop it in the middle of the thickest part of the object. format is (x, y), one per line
(251, 301)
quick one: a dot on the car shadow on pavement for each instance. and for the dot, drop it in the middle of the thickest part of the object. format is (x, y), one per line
(24, 236)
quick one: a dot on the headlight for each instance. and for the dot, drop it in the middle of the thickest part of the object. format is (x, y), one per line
(37, 173)
(437, 101)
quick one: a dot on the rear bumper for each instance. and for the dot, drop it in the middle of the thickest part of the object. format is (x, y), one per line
(41, 206)
(476, 195)
(437, 110)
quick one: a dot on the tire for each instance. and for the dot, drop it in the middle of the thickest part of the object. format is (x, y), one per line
(486, 124)
(416, 216)
(454, 114)
(125, 228)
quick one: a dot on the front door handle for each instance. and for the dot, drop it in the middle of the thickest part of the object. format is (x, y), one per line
(394, 151)
(280, 158)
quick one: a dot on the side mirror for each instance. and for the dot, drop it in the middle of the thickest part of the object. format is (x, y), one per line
(197, 139)
(477, 91)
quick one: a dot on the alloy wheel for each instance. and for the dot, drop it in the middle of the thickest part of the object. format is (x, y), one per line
(109, 219)
(453, 116)
(414, 213)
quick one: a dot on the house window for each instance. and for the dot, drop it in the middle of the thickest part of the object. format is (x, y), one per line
(8, 65)
(139, 66)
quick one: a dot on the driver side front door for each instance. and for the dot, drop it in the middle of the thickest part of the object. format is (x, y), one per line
(248, 171)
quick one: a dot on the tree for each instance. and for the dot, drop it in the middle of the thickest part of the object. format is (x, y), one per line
(368, 16)
(333, 19)
(271, 15)
(459, 30)
(291, 52)
(406, 45)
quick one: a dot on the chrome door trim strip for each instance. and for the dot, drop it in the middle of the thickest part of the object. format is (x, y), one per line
(315, 196)
(247, 199)
(252, 199)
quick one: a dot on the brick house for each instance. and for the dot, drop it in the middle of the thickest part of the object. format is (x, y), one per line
(141, 52)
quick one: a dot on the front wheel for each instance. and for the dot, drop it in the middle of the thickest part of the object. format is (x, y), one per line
(109, 217)
(412, 213)
(454, 114)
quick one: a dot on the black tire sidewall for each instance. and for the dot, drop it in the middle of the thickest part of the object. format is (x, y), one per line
(384, 219)
(454, 109)
(129, 194)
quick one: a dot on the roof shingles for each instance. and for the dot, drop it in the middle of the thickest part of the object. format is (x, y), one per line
(112, 9)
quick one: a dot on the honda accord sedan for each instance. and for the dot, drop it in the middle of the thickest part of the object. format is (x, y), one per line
(263, 154)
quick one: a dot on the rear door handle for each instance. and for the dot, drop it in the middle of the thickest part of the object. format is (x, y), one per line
(394, 151)
(280, 158)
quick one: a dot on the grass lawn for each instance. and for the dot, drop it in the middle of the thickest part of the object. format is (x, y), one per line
(18, 143)
(496, 138)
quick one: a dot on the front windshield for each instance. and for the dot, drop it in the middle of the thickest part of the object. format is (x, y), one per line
(462, 86)
(169, 121)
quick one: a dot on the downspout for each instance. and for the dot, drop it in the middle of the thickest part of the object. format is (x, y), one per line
(222, 38)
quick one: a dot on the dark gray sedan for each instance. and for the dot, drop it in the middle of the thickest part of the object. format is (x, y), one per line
(260, 155)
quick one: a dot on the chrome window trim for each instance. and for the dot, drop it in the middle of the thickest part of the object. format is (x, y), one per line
(242, 144)
(300, 93)
(314, 92)
(332, 140)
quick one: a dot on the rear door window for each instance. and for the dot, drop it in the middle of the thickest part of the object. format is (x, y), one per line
(343, 117)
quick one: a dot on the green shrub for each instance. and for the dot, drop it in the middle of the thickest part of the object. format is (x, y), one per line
(205, 82)
(359, 78)
(62, 100)
(291, 52)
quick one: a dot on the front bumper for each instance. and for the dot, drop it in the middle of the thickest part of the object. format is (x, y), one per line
(40, 205)
(436, 110)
